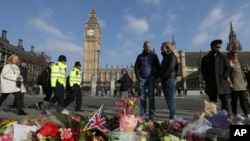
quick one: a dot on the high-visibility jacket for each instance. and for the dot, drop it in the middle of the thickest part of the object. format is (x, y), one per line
(58, 74)
(75, 77)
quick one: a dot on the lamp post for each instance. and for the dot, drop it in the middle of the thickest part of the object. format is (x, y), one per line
(98, 66)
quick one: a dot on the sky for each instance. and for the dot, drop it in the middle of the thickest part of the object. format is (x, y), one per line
(56, 26)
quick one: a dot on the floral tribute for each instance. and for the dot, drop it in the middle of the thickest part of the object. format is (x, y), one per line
(60, 127)
(127, 109)
(164, 130)
(128, 106)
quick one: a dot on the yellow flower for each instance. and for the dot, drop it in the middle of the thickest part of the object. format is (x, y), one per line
(131, 102)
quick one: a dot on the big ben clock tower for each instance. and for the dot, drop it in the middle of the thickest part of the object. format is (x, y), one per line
(92, 36)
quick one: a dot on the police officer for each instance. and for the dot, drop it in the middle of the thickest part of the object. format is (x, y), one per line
(75, 93)
(58, 80)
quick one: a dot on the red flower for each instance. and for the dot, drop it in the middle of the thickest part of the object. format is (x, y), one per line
(76, 133)
(49, 129)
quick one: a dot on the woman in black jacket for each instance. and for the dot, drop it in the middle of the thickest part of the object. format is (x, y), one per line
(168, 70)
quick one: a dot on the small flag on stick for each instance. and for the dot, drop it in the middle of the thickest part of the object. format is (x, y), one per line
(98, 121)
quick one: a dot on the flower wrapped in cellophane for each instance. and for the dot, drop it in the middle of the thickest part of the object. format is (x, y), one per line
(127, 109)
(128, 106)
(60, 127)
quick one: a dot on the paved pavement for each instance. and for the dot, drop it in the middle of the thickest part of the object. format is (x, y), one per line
(185, 106)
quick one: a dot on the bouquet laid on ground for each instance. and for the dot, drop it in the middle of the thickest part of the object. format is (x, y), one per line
(60, 127)
(127, 109)
(163, 130)
(128, 106)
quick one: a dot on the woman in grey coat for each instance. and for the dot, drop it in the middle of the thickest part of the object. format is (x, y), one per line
(239, 86)
(9, 77)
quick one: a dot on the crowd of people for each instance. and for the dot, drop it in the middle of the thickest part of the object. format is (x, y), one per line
(52, 79)
(222, 74)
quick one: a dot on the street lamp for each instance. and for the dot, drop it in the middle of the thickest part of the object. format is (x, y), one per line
(98, 57)
(98, 66)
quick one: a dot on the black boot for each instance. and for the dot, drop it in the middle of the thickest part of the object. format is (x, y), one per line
(21, 112)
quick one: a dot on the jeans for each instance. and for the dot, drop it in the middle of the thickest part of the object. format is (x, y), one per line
(149, 85)
(168, 88)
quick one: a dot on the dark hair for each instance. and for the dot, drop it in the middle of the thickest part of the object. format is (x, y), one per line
(215, 42)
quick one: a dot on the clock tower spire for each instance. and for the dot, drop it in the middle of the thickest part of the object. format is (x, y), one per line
(91, 52)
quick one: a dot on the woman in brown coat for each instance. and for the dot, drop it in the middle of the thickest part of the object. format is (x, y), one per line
(239, 86)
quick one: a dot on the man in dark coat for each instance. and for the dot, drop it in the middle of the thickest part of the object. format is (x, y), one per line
(44, 80)
(215, 71)
(146, 68)
(125, 84)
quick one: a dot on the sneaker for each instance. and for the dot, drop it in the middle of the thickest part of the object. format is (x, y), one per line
(239, 117)
(39, 106)
(21, 112)
(247, 118)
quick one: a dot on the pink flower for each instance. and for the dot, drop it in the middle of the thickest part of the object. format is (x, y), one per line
(66, 134)
(77, 117)
(6, 137)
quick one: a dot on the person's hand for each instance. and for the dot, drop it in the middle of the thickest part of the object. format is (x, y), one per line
(19, 77)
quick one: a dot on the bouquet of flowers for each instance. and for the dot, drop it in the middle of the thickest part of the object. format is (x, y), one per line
(128, 106)
(127, 109)
(60, 127)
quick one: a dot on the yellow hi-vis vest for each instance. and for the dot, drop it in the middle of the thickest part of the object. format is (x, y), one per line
(58, 74)
(75, 77)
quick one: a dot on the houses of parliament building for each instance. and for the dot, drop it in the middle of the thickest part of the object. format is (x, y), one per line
(189, 61)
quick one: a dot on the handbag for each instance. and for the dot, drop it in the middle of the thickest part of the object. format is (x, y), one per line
(18, 84)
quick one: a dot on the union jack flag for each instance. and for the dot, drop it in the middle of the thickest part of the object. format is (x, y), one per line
(98, 121)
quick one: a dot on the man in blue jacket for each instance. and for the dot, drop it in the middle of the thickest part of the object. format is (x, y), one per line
(146, 70)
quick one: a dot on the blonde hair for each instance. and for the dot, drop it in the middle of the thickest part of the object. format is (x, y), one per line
(10, 59)
(169, 45)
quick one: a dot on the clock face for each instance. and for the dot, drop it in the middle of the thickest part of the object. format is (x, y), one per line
(90, 32)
